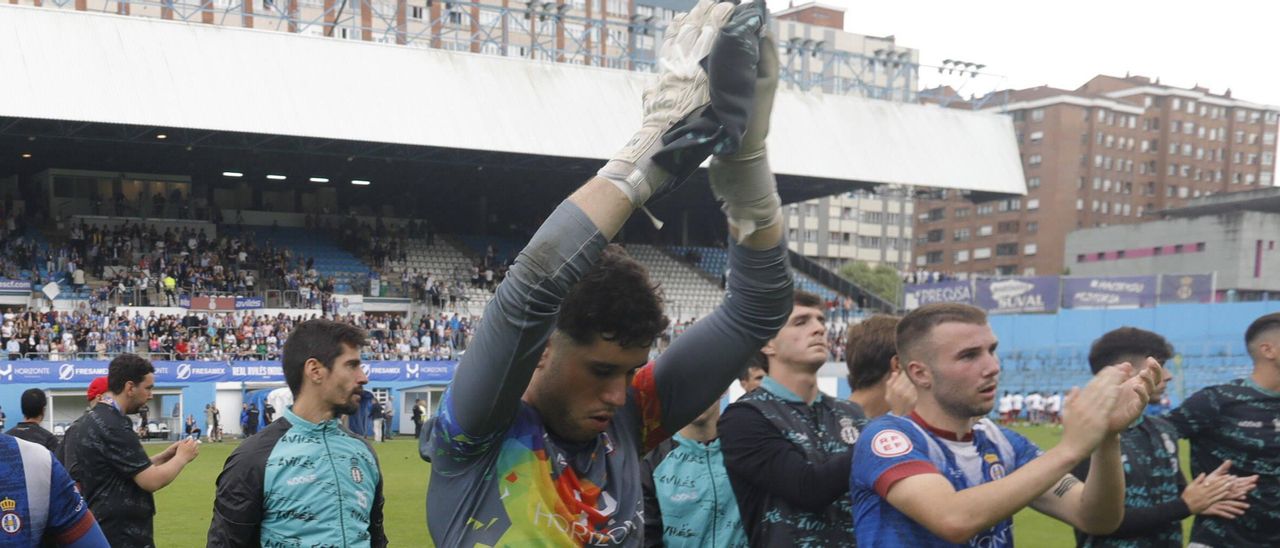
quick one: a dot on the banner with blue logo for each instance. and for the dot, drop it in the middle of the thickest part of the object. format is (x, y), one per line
(918, 295)
(1109, 292)
(14, 286)
(170, 372)
(1186, 288)
(247, 303)
(1017, 295)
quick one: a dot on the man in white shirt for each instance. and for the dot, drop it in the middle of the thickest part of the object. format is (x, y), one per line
(1006, 408)
(1035, 407)
(1018, 399)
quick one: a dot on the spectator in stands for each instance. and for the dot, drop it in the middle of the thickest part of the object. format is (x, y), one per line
(118, 478)
(1157, 496)
(34, 403)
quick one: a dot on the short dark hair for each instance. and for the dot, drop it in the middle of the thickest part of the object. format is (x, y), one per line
(127, 368)
(1258, 327)
(807, 299)
(1116, 344)
(615, 301)
(757, 361)
(33, 403)
(919, 323)
(319, 339)
(869, 348)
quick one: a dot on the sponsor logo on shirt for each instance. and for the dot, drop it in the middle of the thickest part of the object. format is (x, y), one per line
(890, 443)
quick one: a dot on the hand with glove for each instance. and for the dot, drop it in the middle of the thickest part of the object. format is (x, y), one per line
(741, 178)
(695, 108)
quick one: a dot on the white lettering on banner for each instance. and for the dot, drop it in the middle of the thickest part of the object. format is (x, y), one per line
(1089, 297)
(1123, 287)
(256, 371)
(1021, 301)
(944, 294)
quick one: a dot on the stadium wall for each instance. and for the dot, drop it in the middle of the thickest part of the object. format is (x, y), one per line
(192, 385)
(1050, 351)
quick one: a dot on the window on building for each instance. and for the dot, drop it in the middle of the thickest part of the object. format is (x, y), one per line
(933, 257)
(962, 212)
(961, 256)
(935, 235)
(1037, 136)
(984, 230)
(1033, 204)
(1029, 249)
(1034, 160)
(961, 234)
(1037, 115)
(982, 253)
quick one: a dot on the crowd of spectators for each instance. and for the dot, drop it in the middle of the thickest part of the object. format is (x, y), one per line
(923, 276)
(87, 334)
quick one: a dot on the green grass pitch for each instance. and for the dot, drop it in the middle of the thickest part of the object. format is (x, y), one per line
(185, 506)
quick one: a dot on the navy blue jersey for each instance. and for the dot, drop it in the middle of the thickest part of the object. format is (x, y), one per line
(38, 499)
(1239, 421)
(895, 448)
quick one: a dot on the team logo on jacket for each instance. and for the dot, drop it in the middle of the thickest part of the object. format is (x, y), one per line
(996, 471)
(10, 521)
(356, 475)
(848, 432)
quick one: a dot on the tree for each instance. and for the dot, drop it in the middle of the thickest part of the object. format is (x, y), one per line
(880, 280)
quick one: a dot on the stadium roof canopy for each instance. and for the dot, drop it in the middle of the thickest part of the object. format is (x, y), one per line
(87, 71)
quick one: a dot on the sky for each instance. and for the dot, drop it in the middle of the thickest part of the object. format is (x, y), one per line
(1217, 44)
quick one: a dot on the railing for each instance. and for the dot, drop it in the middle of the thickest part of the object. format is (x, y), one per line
(207, 356)
(839, 284)
(532, 29)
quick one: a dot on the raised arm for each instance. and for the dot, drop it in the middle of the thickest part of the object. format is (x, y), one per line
(1092, 415)
(698, 366)
(682, 126)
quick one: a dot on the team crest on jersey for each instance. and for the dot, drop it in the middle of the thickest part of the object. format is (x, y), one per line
(890, 443)
(848, 432)
(10, 521)
(356, 475)
(996, 471)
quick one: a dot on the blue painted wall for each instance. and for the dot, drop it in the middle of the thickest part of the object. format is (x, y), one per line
(1050, 352)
